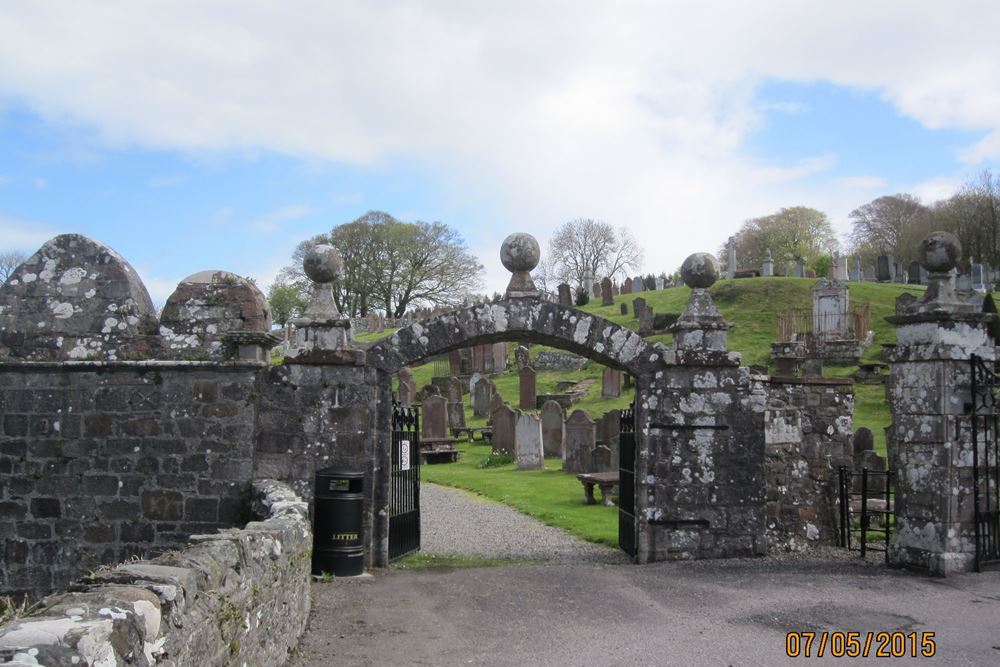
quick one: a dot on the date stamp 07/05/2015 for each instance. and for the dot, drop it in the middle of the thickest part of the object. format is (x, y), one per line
(809, 644)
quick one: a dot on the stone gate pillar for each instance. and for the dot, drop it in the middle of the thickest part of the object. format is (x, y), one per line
(930, 440)
(701, 482)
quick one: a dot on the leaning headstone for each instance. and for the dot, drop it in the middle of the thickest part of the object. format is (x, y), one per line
(565, 295)
(528, 442)
(578, 447)
(606, 298)
(503, 430)
(864, 441)
(884, 269)
(528, 388)
(522, 357)
(482, 394)
(611, 383)
(434, 420)
(553, 429)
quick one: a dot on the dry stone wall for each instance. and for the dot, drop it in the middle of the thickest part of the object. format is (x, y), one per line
(237, 597)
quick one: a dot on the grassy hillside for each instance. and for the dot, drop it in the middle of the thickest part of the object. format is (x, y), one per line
(752, 306)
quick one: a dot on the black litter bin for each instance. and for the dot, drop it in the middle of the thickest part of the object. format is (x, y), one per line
(338, 546)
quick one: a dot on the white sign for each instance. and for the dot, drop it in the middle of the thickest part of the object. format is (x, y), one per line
(404, 454)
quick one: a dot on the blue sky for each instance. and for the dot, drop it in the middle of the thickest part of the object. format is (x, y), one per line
(190, 138)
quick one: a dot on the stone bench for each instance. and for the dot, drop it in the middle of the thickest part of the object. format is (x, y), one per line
(605, 480)
(438, 450)
(485, 432)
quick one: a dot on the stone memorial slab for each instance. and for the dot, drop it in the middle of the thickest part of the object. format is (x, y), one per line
(864, 441)
(522, 357)
(499, 357)
(553, 429)
(627, 286)
(606, 298)
(528, 442)
(611, 383)
(528, 388)
(578, 447)
(434, 418)
(503, 430)
(482, 394)
(624, 308)
(565, 295)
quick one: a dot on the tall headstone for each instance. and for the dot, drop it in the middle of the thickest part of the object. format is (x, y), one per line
(870, 274)
(434, 420)
(731, 270)
(453, 390)
(456, 415)
(623, 308)
(864, 441)
(884, 269)
(831, 303)
(595, 290)
(857, 274)
(553, 429)
(767, 269)
(913, 274)
(455, 362)
(499, 357)
(610, 426)
(611, 383)
(578, 448)
(503, 420)
(606, 298)
(638, 305)
(627, 286)
(646, 321)
(565, 295)
(407, 392)
(638, 284)
(840, 268)
(978, 282)
(482, 394)
(800, 268)
(528, 389)
(522, 357)
(528, 441)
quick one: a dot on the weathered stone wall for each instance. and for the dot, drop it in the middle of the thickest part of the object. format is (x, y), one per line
(238, 597)
(808, 431)
(102, 461)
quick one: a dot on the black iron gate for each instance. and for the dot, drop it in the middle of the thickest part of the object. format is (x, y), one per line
(404, 491)
(985, 464)
(866, 510)
(626, 483)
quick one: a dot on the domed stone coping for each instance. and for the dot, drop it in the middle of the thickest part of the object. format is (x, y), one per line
(76, 298)
(520, 254)
(205, 307)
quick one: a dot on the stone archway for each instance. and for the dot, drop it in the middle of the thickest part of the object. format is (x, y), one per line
(513, 319)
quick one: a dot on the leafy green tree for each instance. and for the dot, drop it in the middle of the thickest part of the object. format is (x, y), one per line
(287, 302)
(891, 225)
(790, 234)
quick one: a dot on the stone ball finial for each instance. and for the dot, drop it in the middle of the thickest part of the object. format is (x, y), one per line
(700, 270)
(520, 252)
(939, 252)
(323, 263)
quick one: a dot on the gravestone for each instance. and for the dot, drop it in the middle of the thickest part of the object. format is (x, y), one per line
(913, 275)
(503, 430)
(609, 434)
(646, 321)
(606, 298)
(521, 357)
(963, 282)
(486, 354)
(658, 283)
(627, 286)
(624, 308)
(553, 429)
(601, 457)
(615, 289)
(883, 269)
(638, 305)
(565, 295)
(800, 268)
(482, 394)
(611, 383)
(731, 271)
(496, 402)
(857, 274)
(831, 303)
(595, 290)
(453, 390)
(840, 268)
(428, 390)
(473, 379)
(407, 392)
(767, 269)
(528, 442)
(528, 390)
(456, 415)
(870, 274)
(499, 357)
(978, 283)
(434, 420)
(864, 441)
(578, 447)
(638, 284)
(455, 362)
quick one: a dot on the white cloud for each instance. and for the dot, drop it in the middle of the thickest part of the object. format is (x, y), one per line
(273, 220)
(24, 235)
(634, 113)
(40, 183)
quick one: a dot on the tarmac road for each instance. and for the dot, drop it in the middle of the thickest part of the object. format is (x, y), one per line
(733, 612)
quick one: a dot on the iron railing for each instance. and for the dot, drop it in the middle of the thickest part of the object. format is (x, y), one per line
(866, 510)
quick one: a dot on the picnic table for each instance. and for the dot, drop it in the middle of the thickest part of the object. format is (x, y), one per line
(605, 480)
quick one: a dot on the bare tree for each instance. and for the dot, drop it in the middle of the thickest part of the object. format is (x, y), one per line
(585, 249)
(10, 261)
(891, 225)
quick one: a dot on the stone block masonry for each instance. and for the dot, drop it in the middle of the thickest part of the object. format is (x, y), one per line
(238, 597)
(103, 461)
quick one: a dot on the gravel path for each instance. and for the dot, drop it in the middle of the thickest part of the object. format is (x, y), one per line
(457, 522)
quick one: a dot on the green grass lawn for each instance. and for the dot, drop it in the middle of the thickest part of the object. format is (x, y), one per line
(550, 495)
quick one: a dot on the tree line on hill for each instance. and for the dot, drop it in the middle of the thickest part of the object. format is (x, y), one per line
(889, 225)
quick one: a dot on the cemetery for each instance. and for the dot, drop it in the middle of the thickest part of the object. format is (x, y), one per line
(170, 458)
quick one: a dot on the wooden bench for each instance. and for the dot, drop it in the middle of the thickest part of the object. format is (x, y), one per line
(605, 480)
